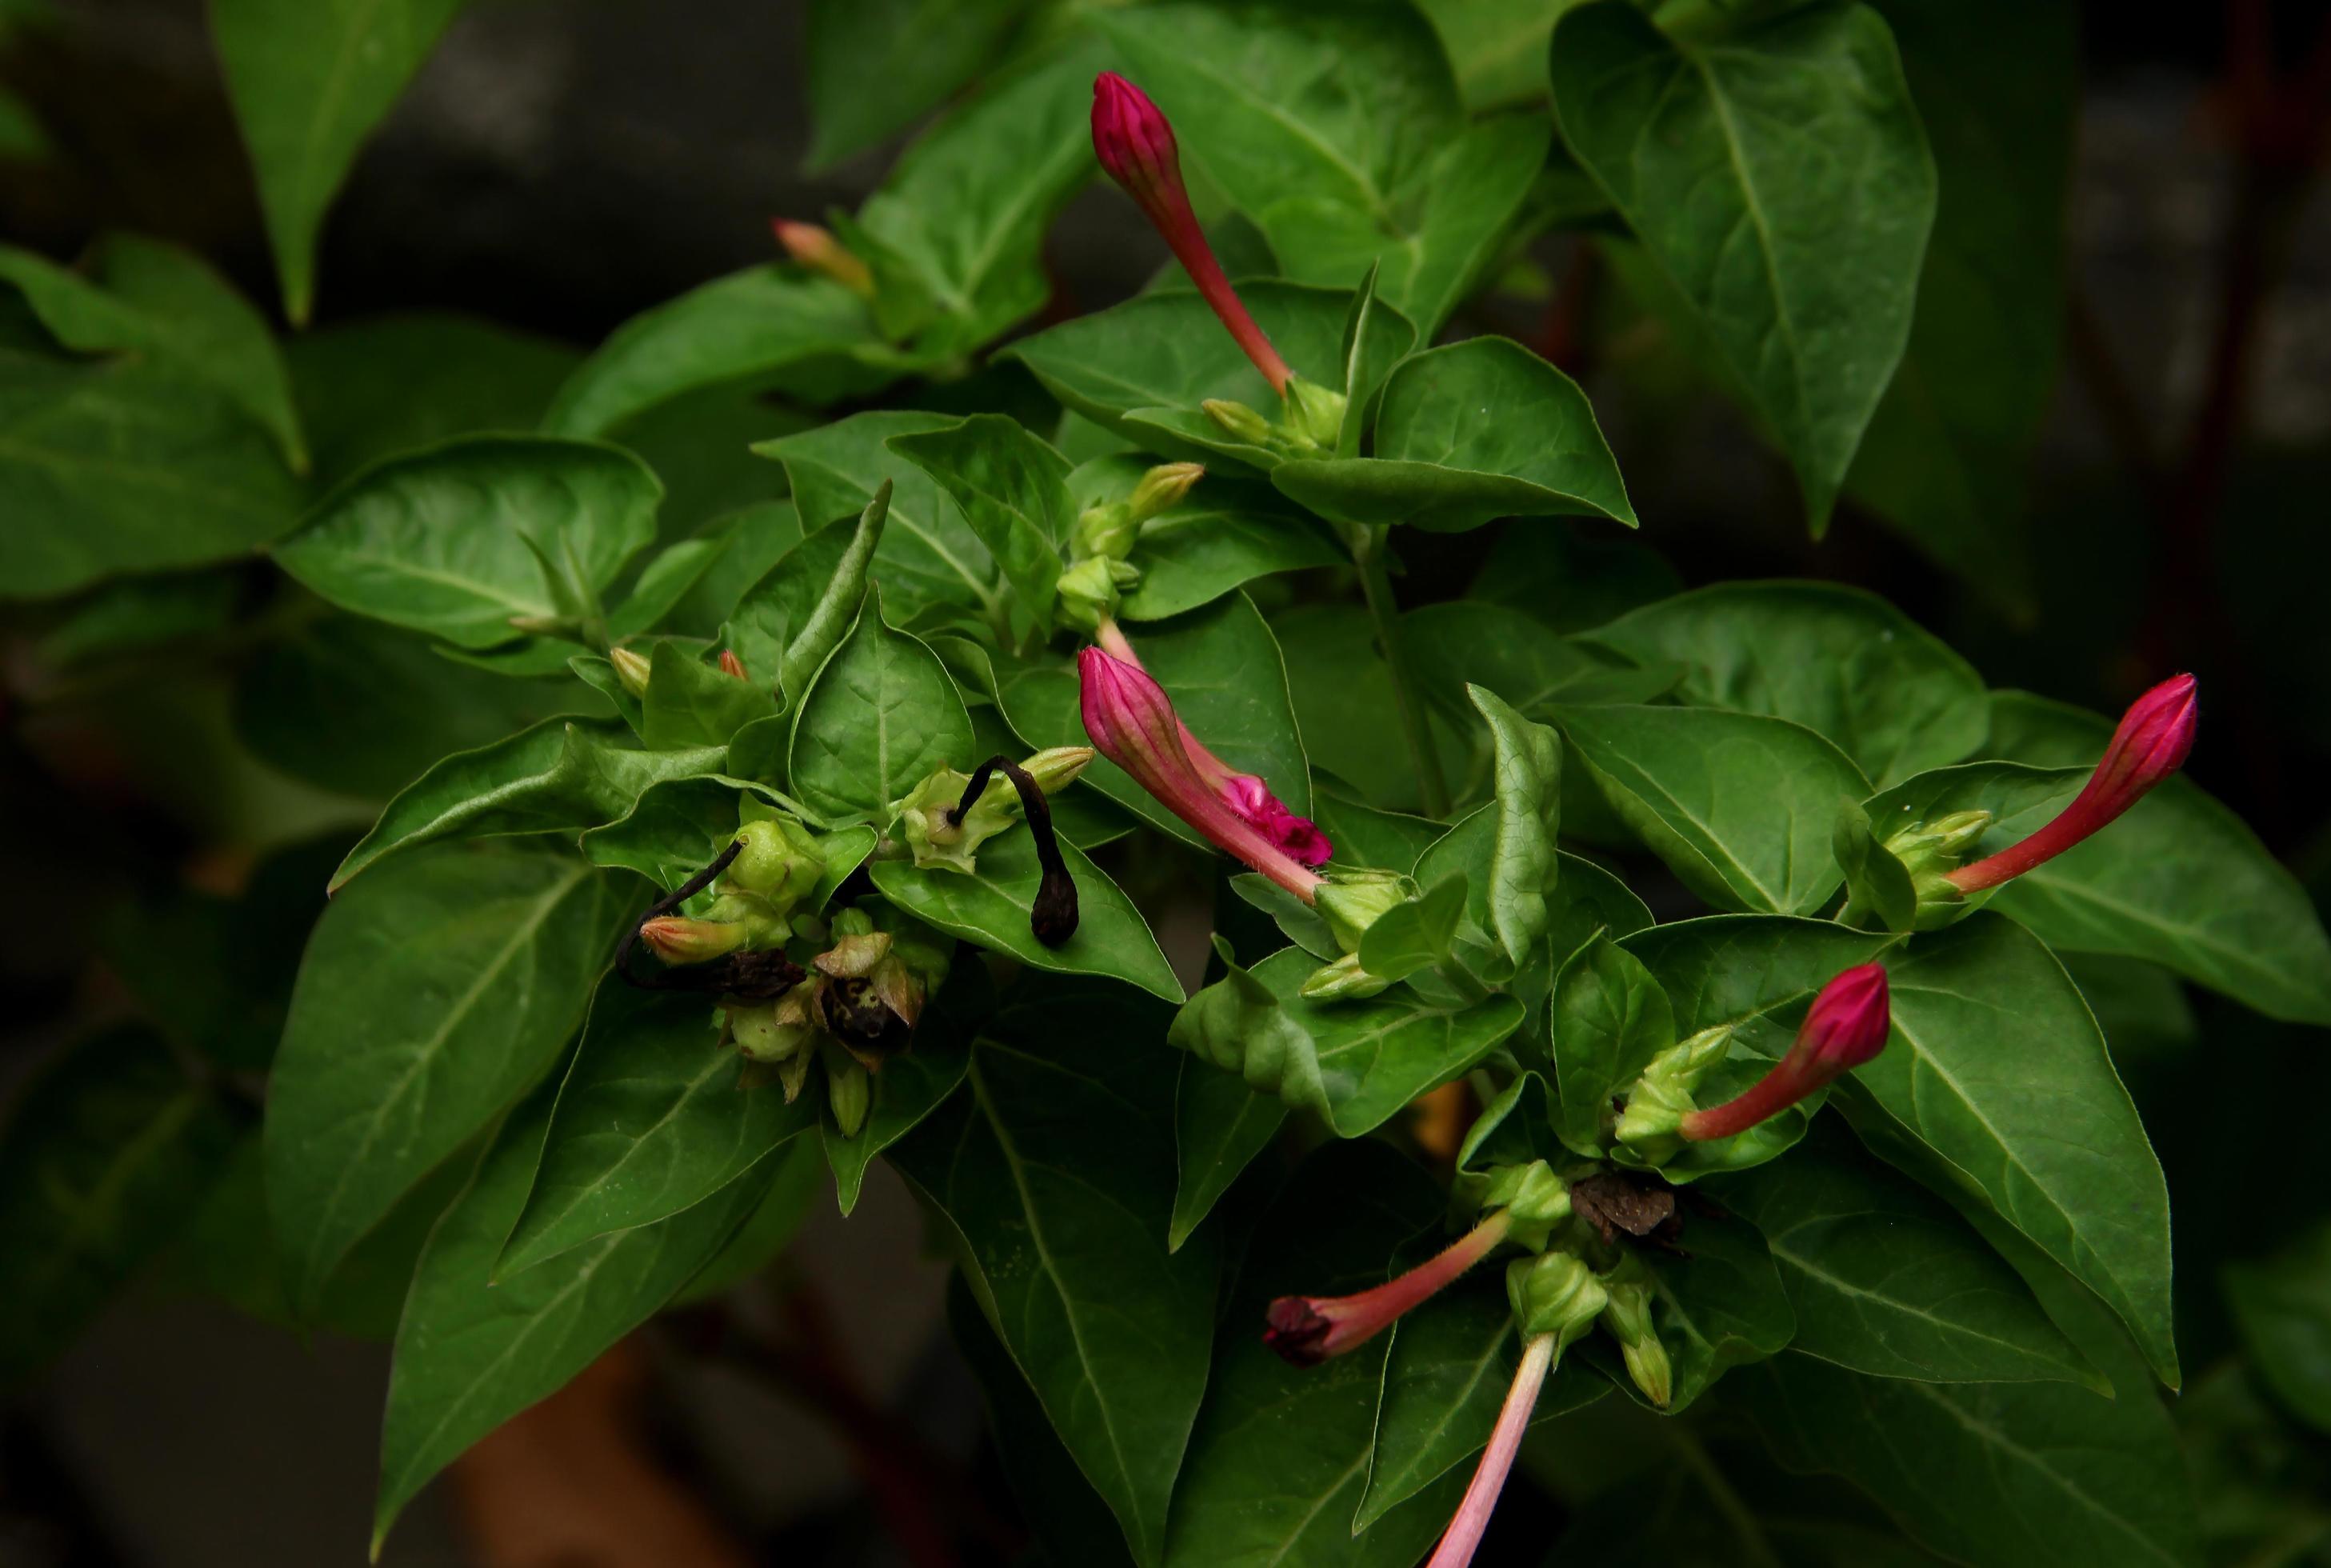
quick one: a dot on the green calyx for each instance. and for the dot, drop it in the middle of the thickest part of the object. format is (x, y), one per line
(1089, 591)
(1554, 1293)
(1660, 1100)
(1354, 900)
(1314, 413)
(1930, 851)
(1627, 1318)
(927, 815)
(1534, 1199)
(1342, 981)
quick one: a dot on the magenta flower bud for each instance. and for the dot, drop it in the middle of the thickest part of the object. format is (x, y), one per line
(732, 666)
(2151, 744)
(1136, 145)
(1306, 1330)
(1133, 723)
(1845, 1027)
(1463, 1536)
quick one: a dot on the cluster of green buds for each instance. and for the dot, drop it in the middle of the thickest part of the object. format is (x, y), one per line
(1311, 418)
(1351, 899)
(757, 898)
(853, 1010)
(1101, 572)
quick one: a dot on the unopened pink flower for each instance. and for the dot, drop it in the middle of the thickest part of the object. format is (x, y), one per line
(1136, 145)
(2151, 743)
(1309, 1329)
(1845, 1027)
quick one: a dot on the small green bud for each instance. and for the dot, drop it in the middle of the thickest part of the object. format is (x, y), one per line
(630, 670)
(1238, 422)
(1930, 852)
(1314, 413)
(1554, 1293)
(1534, 1198)
(1342, 981)
(1089, 595)
(1660, 1100)
(1627, 1316)
(1351, 899)
(780, 863)
(761, 1037)
(1056, 767)
(1107, 530)
(1163, 487)
(849, 1092)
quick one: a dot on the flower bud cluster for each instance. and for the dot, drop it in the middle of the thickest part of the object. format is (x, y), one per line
(940, 830)
(1100, 575)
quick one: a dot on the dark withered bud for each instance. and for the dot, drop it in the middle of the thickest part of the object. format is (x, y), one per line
(1052, 916)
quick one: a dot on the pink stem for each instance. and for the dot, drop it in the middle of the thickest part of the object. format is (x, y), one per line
(1464, 1533)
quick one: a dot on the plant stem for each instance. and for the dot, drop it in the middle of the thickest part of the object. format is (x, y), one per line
(1368, 548)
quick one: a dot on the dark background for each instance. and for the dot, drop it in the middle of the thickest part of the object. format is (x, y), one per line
(560, 165)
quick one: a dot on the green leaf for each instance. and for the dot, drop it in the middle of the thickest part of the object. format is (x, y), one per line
(1803, 270)
(121, 466)
(1013, 489)
(1888, 1280)
(991, 907)
(1356, 1062)
(1995, 1474)
(1280, 1458)
(2282, 1306)
(1416, 933)
(679, 826)
(690, 704)
(1224, 534)
(477, 1345)
(797, 1176)
(1569, 581)
(767, 326)
(1497, 47)
(1221, 666)
(309, 82)
(1162, 353)
(880, 717)
(928, 556)
(1995, 1065)
(1441, 465)
(1526, 791)
(1445, 1377)
(108, 1152)
(790, 622)
(1741, 807)
(561, 776)
(651, 1121)
(1055, 1167)
(432, 994)
(1610, 1018)
(1365, 836)
(164, 303)
(1717, 1304)
(1466, 643)
(873, 69)
(1843, 664)
(1338, 131)
(455, 541)
(1220, 1125)
(915, 1083)
(1877, 885)
(1946, 455)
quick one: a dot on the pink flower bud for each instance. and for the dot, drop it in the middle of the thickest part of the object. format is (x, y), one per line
(678, 939)
(816, 249)
(1136, 145)
(1133, 723)
(731, 665)
(2151, 744)
(1845, 1027)
(1307, 1330)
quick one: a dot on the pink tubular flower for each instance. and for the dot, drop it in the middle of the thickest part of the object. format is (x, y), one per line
(1133, 723)
(2151, 744)
(1307, 1330)
(1845, 1027)
(1136, 145)
(1459, 1542)
(815, 248)
(1298, 838)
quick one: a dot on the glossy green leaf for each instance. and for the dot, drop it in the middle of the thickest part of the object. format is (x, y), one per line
(433, 994)
(1801, 270)
(1526, 794)
(1416, 933)
(690, 704)
(1878, 888)
(794, 1180)
(154, 299)
(2282, 1306)
(1220, 1125)
(455, 541)
(1843, 664)
(991, 907)
(1445, 1377)
(1338, 130)
(651, 1121)
(120, 466)
(108, 1154)
(1013, 491)
(1887, 1279)
(1743, 808)
(561, 776)
(1497, 47)
(790, 622)
(1466, 643)
(1356, 1062)
(1995, 1474)
(928, 555)
(1280, 1458)
(880, 717)
(1440, 464)
(1224, 534)
(1945, 458)
(309, 82)
(1054, 1165)
(768, 327)
(873, 69)
(1221, 666)
(1365, 836)
(1609, 1019)
(477, 1345)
